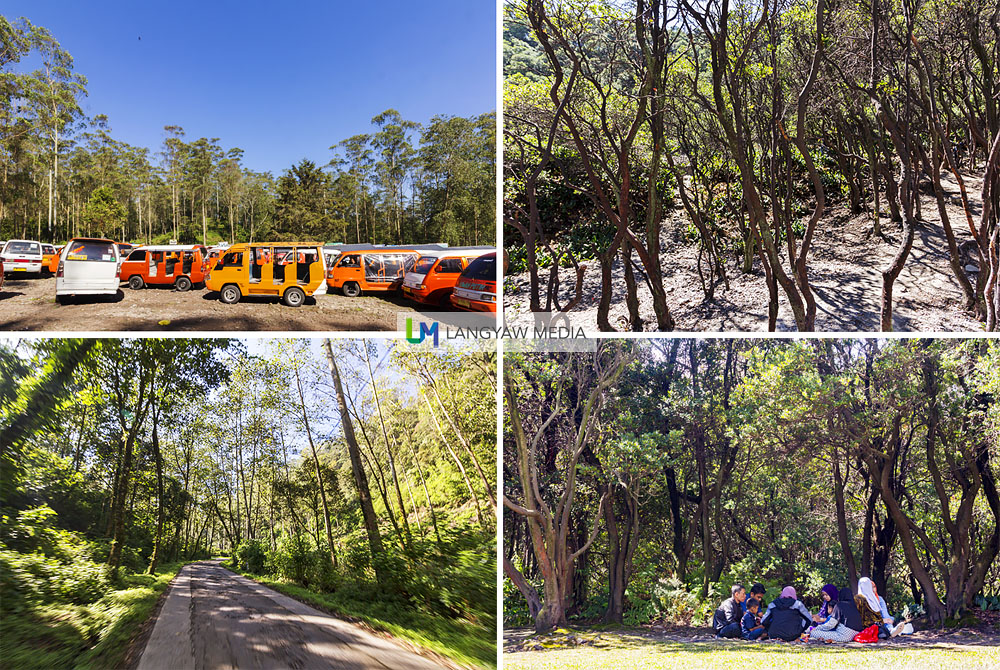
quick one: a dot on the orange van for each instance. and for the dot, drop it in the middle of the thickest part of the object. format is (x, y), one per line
(53, 265)
(376, 269)
(290, 270)
(158, 265)
(476, 289)
(434, 275)
(49, 253)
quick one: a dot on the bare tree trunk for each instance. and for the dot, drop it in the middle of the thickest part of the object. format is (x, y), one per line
(388, 447)
(360, 479)
(319, 473)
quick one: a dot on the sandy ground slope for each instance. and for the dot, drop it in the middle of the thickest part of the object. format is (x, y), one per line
(844, 269)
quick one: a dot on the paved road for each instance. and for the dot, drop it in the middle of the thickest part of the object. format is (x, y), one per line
(214, 619)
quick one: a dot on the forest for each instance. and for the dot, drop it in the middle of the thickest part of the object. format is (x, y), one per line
(356, 474)
(778, 164)
(642, 480)
(65, 173)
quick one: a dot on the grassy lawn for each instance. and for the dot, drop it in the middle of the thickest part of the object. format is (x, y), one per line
(465, 643)
(634, 652)
(83, 637)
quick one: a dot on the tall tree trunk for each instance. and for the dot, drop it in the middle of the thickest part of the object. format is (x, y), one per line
(360, 478)
(319, 473)
(160, 512)
(388, 448)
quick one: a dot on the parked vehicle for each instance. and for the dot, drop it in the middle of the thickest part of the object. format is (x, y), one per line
(433, 277)
(53, 263)
(289, 270)
(213, 255)
(476, 289)
(179, 265)
(1, 272)
(375, 269)
(87, 266)
(48, 253)
(22, 256)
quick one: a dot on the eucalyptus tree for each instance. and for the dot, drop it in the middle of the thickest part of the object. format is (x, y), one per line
(392, 144)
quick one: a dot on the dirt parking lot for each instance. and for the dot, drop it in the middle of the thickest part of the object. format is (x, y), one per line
(29, 304)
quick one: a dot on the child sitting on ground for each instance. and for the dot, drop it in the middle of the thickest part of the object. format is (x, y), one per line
(751, 629)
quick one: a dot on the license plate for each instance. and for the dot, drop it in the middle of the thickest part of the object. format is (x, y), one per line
(407, 289)
(20, 269)
(462, 301)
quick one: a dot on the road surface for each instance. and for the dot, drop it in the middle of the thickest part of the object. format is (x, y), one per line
(214, 619)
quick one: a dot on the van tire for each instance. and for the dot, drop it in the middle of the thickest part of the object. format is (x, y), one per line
(294, 297)
(135, 282)
(182, 284)
(351, 289)
(230, 294)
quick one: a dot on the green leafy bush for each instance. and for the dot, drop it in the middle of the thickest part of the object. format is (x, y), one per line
(251, 555)
(294, 558)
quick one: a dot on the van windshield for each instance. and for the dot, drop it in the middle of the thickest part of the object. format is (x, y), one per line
(90, 251)
(483, 268)
(23, 248)
(424, 264)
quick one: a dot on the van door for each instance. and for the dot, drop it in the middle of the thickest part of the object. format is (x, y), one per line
(284, 266)
(89, 266)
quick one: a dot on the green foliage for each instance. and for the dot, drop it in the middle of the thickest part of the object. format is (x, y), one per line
(990, 603)
(251, 556)
(294, 559)
(103, 213)
(49, 630)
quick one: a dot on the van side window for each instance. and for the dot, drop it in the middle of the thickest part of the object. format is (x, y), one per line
(393, 264)
(450, 265)
(137, 255)
(373, 267)
(350, 261)
(232, 260)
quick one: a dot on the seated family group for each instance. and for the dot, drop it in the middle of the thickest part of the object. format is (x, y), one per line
(842, 616)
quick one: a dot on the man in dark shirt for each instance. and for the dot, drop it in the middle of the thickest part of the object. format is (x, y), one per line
(726, 621)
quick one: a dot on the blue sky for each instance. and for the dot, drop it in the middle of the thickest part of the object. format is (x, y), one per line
(283, 81)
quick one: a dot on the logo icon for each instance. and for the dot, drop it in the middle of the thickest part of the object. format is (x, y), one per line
(425, 331)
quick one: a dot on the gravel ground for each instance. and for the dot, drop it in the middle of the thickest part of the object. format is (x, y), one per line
(29, 304)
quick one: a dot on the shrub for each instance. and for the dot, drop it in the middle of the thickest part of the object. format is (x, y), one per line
(251, 555)
(35, 578)
(294, 558)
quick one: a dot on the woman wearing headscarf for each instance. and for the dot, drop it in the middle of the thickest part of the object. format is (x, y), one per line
(829, 594)
(873, 609)
(843, 623)
(786, 617)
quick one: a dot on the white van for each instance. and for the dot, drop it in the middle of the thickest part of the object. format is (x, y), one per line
(22, 256)
(88, 266)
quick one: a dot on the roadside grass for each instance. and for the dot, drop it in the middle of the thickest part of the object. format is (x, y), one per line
(95, 636)
(634, 652)
(467, 644)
